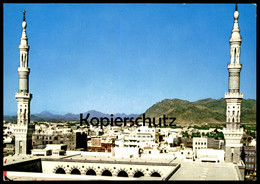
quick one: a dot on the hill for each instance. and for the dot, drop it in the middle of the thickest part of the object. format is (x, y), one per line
(202, 111)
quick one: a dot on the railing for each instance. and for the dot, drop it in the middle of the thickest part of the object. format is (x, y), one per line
(233, 95)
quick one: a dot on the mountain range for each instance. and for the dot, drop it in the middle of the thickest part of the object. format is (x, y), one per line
(47, 116)
(202, 111)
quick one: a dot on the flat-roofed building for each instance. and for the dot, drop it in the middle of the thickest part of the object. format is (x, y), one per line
(199, 143)
(250, 158)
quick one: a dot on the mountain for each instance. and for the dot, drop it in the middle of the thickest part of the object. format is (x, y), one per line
(202, 111)
(47, 116)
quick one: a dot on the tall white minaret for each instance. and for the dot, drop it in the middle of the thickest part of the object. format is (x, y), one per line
(23, 129)
(233, 132)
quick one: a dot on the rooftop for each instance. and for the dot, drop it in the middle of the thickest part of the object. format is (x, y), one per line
(112, 159)
(205, 171)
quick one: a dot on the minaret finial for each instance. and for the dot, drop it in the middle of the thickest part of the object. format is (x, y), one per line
(236, 7)
(24, 11)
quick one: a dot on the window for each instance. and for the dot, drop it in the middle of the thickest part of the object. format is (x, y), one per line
(204, 143)
(253, 159)
(246, 159)
(195, 143)
(249, 159)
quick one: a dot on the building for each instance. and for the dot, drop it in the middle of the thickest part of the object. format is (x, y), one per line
(246, 140)
(101, 144)
(250, 158)
(210, 155)
(199, 143)
(140, 137)
(51, 149)
(233, 132)
(23, 129)
(73, 139)
(215, 143)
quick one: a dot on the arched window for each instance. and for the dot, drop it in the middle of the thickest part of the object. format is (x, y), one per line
(75, 171)
(60, 171)
(138, 174)
(155, 174)
(122, 174)
(91, 172)
(235, 55)
(106, 173)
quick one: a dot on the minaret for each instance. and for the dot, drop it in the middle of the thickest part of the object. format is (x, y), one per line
(233, 132)
(23, 129)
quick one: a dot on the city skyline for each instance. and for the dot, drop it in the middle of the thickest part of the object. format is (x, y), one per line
(125, 57)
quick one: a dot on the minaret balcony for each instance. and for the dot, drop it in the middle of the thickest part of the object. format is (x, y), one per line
(233, 95)
(23, 69)
(24, 47)
(23, 95)
(234, 66)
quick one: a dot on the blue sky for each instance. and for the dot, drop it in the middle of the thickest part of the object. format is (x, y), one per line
(117, 58)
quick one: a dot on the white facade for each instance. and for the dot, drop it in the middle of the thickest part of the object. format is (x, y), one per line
(126, 152)
(199, 143)
(140, 137)
(210, 155)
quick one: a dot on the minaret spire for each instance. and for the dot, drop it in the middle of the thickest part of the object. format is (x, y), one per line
(23, 129)
(24, 11)
(233, 132)
(235, 40)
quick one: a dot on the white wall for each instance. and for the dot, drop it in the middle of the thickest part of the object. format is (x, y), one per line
(126, 152)
(211, 152)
